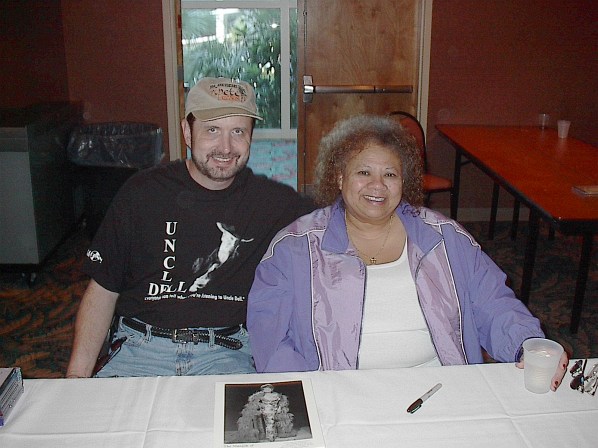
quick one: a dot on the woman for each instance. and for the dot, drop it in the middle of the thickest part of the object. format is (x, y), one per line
(375, 280)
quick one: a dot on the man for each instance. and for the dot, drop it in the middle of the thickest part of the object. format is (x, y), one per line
(174, 258)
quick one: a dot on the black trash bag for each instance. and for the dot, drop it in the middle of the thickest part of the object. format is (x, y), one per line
(119, 144)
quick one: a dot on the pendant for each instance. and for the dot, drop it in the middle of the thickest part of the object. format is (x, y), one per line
(373, 260)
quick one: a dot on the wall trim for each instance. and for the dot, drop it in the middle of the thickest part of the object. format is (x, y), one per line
(170, 67)
(424, 62)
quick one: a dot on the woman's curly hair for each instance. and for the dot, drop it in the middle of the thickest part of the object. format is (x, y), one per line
(351, 136)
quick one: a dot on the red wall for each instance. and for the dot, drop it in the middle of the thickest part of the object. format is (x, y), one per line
(115, 60)
(492, 62)
(108, 54)
(503, 62)
(32, 59)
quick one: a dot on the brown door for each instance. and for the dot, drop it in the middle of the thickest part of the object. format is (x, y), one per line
(353, 57)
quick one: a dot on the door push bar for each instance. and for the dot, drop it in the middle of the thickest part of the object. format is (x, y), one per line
(309, 89)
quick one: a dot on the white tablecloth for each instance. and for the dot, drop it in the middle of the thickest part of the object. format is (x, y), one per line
(481, 405)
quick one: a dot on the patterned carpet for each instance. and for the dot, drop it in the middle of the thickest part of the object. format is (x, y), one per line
(36, 321)
(553, 284)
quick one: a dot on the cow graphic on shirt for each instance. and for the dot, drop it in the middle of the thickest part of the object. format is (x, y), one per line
(228, 250)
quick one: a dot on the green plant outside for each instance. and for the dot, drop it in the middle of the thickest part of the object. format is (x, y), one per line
(250, 50)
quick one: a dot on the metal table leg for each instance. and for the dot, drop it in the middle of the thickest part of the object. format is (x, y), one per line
(530, 256)
(456, 184)
(515, 221)
(493, 209)
(582, 278)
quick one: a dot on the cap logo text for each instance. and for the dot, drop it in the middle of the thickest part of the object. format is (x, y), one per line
(229, 92)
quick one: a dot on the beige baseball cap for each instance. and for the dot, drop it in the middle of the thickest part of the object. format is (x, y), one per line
(213, 98)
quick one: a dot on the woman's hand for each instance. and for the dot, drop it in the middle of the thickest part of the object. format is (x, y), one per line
(561, 369)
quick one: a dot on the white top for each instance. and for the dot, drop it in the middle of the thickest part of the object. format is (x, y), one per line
(394, 331)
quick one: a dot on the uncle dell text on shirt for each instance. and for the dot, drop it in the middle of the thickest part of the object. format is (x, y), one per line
(204, 268)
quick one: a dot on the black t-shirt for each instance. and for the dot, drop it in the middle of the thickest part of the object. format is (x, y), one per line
(181, 255)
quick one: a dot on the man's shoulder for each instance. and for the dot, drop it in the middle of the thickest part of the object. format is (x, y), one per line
(143, 179)
(174, 168)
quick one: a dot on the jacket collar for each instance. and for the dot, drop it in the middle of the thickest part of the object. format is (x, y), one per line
(425, 237)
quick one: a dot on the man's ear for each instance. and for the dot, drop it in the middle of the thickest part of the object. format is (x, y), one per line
(186, 132)
(340, 181)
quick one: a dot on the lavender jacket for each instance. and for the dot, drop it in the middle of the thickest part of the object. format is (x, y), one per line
(306, 304)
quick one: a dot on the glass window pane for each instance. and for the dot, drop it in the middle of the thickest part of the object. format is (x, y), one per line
(236, 43)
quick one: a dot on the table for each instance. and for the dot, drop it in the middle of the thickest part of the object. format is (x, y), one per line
(484, 405)
(540, 170)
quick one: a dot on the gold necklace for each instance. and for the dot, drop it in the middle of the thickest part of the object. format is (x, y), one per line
(373, 259)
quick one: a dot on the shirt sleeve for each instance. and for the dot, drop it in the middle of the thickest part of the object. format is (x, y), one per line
(107, 257)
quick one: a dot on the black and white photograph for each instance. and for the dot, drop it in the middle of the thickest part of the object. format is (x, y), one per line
(272, 413)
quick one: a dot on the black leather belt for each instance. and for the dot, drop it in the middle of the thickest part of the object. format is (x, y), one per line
(186, 335)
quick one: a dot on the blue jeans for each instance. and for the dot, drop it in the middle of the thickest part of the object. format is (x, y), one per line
(146, 355)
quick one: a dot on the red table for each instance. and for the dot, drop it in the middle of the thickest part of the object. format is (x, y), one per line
(539, 170)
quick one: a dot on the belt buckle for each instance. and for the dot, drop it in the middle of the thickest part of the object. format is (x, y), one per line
(184, 336)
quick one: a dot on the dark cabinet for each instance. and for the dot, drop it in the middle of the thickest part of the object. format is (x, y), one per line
(36, 193)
